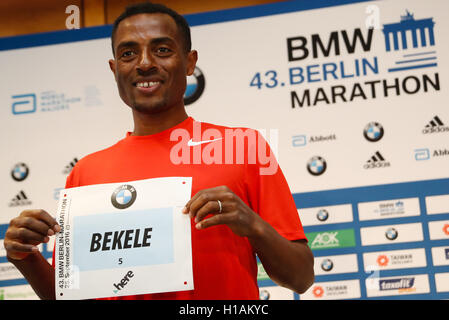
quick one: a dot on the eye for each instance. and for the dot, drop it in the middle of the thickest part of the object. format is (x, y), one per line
(127, 54)
(163, 51)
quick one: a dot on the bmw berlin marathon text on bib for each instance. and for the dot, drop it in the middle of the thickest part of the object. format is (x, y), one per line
(358, 108)
(123, 239)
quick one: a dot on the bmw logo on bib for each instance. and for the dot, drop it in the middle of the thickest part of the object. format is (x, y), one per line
(124, 196)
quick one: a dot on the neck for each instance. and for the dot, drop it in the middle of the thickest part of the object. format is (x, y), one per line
(146, 124)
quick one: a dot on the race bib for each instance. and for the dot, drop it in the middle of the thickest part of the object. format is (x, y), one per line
(122, 239)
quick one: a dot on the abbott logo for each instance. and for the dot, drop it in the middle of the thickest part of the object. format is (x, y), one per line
(24, 103)
(422, 154)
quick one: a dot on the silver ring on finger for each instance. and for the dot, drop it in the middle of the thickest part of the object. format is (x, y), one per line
(220, 206)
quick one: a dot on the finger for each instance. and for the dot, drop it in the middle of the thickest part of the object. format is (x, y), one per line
(211, 206)
(199, 194)
(34, 224)
(201, 200)
(215, 220)
(45, 217)
(14, 246)
(26, 236)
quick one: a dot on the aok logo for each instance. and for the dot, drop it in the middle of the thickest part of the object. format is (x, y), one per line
(119, 286)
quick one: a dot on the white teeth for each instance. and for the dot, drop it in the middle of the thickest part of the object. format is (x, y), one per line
(146, 84)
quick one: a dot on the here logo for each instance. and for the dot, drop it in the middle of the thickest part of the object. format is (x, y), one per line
(119, 286)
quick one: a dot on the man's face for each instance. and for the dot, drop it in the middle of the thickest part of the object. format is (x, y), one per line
(151, 63)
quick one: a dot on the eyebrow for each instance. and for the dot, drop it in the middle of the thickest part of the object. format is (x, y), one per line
(131, 43)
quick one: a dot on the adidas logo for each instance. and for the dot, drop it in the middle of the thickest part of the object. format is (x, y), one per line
(20, 200)
(434, 126)
(68, 168)
(376, 161)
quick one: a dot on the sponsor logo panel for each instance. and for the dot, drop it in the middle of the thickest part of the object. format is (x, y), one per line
(22, 292)
(261, 273)
(331, 239)
(396, 259)
(439, 230)
(391, 234)
(8, 271)
(326, 215)
(345, 263)
(333, 290)
(2, 249)
(440, 256)
(442, 282)
(437, 204)
(275, 293)
(400, 285)
(389, 209)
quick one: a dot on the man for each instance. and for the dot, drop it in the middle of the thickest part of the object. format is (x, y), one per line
(236, 211)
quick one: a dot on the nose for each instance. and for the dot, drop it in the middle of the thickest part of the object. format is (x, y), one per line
(146, 62)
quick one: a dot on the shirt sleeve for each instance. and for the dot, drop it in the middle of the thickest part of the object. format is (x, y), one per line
(269, 193)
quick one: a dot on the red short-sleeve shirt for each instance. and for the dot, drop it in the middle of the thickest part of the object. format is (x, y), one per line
(224, 264)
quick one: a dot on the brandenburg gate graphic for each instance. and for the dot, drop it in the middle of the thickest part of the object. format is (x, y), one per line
(408, 23)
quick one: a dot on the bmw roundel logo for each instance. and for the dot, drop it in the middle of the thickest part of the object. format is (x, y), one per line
(316, 166)
(20, 171)
(264, 294)
(373, 131)
(124, 196)
(327, 265)
(391, 234)
(322, 215)
(195, 86)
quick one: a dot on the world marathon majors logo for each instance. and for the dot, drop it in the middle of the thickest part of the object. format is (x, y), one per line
(195, 86)
(20, 172)
(124, 196)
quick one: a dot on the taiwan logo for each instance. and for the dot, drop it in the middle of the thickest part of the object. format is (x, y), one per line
(391, 234)
(20, 172)
(318, 291)
(316, 166)
(382, 260)
(373, 132)
(124, 196)
(376, 161)
(195, 87)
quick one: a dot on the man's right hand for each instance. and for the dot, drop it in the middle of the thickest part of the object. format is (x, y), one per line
(25, 232)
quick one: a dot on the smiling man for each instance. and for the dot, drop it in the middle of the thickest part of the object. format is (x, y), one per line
(236, 212)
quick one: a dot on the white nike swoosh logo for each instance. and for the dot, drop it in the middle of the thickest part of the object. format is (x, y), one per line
(192, 143)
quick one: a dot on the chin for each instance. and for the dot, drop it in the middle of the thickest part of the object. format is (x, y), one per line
(150, 109)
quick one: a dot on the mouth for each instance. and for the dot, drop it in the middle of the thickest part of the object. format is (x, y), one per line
(147, 86)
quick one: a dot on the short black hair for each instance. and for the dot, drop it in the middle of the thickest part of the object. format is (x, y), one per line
(148, 7)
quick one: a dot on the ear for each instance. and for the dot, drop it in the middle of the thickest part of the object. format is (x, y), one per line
(192, 58)
(112, 66)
